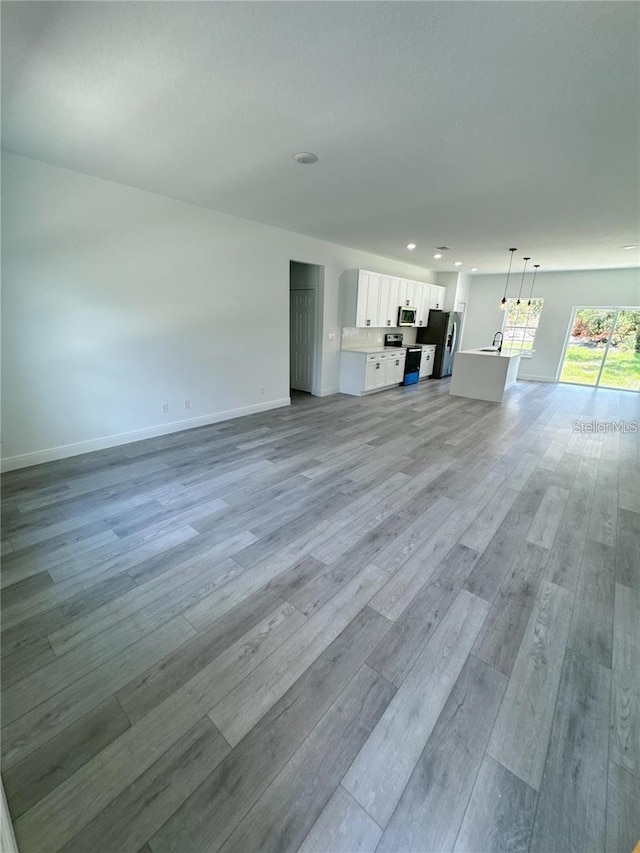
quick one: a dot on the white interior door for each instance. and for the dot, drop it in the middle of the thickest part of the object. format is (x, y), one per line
(302, 318)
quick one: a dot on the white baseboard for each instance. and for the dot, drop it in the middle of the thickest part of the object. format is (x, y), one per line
(327, 392)
(531, 378)
(25, 460)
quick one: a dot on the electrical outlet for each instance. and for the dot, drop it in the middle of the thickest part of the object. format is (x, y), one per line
(263, 390)
(165, 408)
(187, 404)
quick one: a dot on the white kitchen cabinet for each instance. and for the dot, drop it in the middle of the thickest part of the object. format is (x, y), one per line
(364, 372)
(375, 375)
(425, 306)
(432, 302)
(426, 360)
(389, 300)
(395, 367)
(372, 300)
(361, 305)
(407, 292)
(421, 296)
(402, 290)
(372, 316)
(433, 299)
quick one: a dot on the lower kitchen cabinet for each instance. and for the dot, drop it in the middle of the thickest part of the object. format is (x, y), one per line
(375, 373)
(364, 372)
(426, 360)
(395, 367)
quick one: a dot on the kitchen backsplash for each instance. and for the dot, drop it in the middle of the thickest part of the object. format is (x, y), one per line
(357, 338)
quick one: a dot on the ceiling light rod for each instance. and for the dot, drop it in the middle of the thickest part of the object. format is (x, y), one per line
(503, 304)
(526, 261)
(535, 272)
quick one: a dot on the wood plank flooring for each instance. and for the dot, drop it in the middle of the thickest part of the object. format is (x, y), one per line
(403, 622)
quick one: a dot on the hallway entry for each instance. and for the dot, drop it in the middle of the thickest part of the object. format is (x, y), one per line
(305, 302)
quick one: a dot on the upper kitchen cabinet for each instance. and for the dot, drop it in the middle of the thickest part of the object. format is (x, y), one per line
(362, 299)
(423, 297)
(372, 300)
(372, 313)
(437, 296)
(432, 297)
(423, 304)
(406, 293)
(389, 300)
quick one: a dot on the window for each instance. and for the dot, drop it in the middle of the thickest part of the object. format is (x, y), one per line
(520, 325)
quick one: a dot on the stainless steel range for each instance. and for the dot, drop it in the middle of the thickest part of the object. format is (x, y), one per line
(412, 362)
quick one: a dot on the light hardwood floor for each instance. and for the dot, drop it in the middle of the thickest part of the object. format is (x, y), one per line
(404, 622)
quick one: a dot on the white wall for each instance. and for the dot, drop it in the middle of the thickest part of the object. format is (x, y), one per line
(116, 300)
(353, 338)
(450, 281)
(462, 290)
(561, 291)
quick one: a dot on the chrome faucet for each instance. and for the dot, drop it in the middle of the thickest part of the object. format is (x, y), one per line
(495, 338)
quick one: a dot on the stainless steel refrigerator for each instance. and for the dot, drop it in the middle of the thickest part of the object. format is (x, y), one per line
(443, 330)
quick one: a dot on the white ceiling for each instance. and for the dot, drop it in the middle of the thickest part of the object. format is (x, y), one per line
(477, 125)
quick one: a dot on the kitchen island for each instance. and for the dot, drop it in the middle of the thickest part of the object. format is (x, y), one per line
(483, 374)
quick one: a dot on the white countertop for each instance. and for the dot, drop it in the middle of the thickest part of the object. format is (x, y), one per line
(382, 348)
(495, 354)
(369, 350)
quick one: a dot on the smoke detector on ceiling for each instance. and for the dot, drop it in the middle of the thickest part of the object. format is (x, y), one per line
(305, 157)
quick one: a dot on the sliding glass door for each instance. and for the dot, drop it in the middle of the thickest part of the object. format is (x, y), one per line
(604, 348)
(584, 355)
(621, 368)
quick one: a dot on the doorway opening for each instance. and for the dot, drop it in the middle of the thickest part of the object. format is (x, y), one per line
(603, 348)
(306, 284)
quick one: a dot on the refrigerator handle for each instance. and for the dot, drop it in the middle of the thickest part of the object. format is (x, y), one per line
(453, 336)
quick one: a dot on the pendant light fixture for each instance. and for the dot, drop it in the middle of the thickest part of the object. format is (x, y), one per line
(503, 303)
(535, 272)
(526, 260)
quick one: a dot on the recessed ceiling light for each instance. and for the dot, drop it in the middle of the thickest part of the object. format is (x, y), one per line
(473, 269)
(630, 246)
(457, 263)
(437, 256)
(306, 158)
(411, 245)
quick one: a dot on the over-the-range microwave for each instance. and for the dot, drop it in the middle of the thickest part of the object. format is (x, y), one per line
(407, 316)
